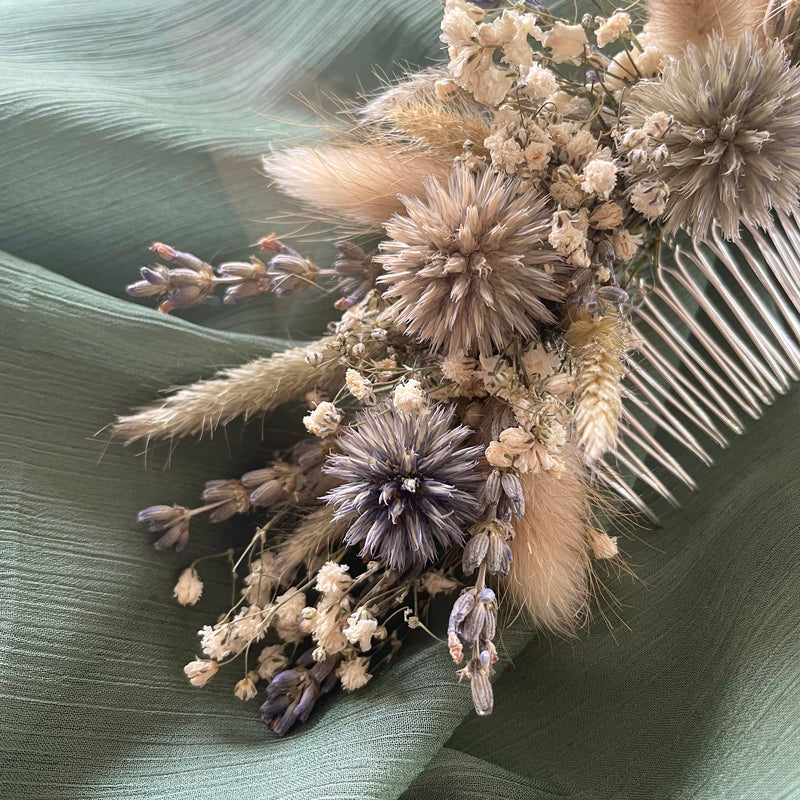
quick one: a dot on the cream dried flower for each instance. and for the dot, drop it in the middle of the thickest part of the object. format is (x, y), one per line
(567, 43)
(599, 177)
(539, 82)
(324, 420)
(597, 351)
(353, 673)
(245, 689)
(189, 587)
(361, 628)
(465, 267)
(409, 397)
(332, 578)
(271, 661)
(612, 28)
(200, 672)
(288, 615)
(734, 145)
(359, 386)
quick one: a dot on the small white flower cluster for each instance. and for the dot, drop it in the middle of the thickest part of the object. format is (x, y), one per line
(325, 620)
(472, 44)
(359, 386)
(645, 151)
(609, 30)
(523, 451)
(515, 144)
(324, 420)
(409, 397)
(362, 627)
(633, 63)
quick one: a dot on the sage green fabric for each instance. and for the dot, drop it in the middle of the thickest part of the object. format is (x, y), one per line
(126, 122)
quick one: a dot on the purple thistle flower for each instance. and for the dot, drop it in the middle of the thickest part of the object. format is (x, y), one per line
(409, 487)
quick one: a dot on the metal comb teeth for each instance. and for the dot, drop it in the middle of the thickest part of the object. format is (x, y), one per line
(718, 339)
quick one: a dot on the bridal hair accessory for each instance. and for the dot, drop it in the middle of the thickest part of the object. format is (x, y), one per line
(573, 267)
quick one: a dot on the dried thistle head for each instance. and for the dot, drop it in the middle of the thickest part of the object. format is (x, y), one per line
(408, 487)
(467, 265)
(733, 150)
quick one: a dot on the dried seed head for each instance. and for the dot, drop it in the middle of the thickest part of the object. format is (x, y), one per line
(465, 268)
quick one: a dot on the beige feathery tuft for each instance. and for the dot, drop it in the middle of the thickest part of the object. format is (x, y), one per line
(597, 354)
(417, 110)
(550, 573)
(359, 182)
(245, 391)
(676, 23)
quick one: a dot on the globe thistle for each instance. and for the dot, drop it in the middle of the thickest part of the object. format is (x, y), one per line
(409, 486)
(465, 269)
(734, 145)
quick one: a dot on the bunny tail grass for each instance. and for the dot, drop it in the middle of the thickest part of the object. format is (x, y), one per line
(358, 182)
(550, 573)
(677, 23)
(255, 388)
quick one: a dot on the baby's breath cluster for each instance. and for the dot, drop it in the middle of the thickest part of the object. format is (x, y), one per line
(470, 388)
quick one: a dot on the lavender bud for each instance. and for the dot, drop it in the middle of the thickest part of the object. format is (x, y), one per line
(482, 695)
(159, 518)
(158, 275)
(231, 493)
(171, 255)
(461, 608)
(267, 494)
(473, 625)
(490, 491)
(612, 294)
(143, 289)
(512, 489)
(498, 556)
(475, 550)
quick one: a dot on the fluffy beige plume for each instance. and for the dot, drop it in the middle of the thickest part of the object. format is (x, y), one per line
(358, 182)
(430, 111)
(597, 353)
(245, 391)
(550, 573)
(673, 24)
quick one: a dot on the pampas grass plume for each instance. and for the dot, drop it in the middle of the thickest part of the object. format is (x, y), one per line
(357, 182)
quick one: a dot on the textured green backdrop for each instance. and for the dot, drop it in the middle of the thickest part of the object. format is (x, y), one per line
(124, 122)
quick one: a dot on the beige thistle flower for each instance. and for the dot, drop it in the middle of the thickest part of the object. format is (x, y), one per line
(465, 267)
(734, 145)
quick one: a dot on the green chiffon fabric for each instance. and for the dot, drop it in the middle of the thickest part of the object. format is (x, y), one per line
(126, 122)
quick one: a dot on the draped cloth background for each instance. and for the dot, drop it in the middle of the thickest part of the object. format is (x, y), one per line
(126, 122)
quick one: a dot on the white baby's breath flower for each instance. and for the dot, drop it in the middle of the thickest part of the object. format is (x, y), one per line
(566, 43)
(568, 236)
(580, 147)
(359, 386)
(539, 82)
(657, 125)
(612, 28)
(200, 672)
(324, 420)
(271, 661)
(649, 198)
(214, 642)
(599, 177)
(537, 361)
(245, 689)
(361, 628)
(288, 615)
(332, 578)
(626, 244)
(353, 673)
(460, 22)
(189, 587)
(409, 397)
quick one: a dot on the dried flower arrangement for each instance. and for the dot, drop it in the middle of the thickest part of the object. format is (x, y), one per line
(512, 345)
